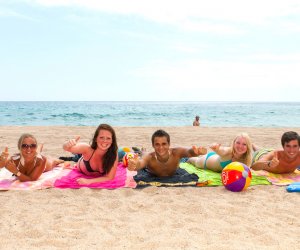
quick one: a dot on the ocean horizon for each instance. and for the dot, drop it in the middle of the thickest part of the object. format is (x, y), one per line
(149, 113)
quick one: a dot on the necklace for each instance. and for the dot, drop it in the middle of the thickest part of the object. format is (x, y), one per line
(169, 154)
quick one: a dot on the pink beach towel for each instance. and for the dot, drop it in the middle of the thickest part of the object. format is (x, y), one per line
(280, 179)
(46, 180)
(123, 178)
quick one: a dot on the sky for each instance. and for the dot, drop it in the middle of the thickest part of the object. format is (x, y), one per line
(158, 50)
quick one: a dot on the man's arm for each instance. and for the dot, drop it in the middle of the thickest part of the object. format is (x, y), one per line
(268, 162)
(190, 152)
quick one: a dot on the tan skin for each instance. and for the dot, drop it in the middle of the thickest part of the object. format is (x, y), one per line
(30, 170)
(164, 161)
(223, 154)
(4, 157)
(196, 121)
(280, 161)
(104, 141)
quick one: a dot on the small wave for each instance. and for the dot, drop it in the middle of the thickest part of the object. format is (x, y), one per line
(75, 115)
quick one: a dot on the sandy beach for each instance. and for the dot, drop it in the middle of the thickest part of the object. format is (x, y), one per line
(262, 217)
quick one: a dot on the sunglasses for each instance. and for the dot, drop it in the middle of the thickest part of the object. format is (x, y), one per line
(33, 146)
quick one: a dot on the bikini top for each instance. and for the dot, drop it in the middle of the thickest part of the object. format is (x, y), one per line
(22, 162)
(88, 165)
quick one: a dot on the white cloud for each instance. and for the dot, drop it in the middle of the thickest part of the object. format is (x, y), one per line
(289, 58)
(5, 12)
(200, 75)
(222, 81)
(193, 14)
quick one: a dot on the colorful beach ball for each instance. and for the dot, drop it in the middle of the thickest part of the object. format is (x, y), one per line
(128, 156)
(236, 176)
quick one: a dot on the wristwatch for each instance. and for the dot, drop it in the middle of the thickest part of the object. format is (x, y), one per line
(18, 174)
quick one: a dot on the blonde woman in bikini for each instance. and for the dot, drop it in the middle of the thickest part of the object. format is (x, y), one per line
(28, 164)
(164, 161)
(240, 150)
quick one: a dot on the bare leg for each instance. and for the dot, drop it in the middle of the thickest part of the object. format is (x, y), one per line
(196, 161)
(52, 163)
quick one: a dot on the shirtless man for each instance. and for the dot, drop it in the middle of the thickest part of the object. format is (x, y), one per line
(196, 121)
(164, 161)
(280, 161)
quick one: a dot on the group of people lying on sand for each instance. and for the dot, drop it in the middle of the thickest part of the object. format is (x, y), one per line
(100, 158)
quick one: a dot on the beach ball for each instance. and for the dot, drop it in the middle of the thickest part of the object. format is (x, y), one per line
(128, 156)
(236, 176)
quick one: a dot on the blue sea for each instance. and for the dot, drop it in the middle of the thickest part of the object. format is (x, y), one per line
(212, 114)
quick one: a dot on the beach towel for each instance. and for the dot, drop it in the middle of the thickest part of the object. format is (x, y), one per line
(46, 180)
(280, 179)
(214, 178)
(123, 178)
(180, 178)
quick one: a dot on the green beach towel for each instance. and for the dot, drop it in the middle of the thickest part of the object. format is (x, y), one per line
(214, 178)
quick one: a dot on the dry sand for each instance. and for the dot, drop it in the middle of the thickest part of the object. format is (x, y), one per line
(262, 217)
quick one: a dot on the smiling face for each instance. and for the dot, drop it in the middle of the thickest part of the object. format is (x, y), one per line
(28, 147)
(104, 139)
(291, 148)
(161, 146)
(240, 145)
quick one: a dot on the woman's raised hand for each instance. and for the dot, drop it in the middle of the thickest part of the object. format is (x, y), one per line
(71, 143)
(215, 146)
(4, 157)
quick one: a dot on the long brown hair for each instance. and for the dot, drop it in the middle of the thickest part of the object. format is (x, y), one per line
(111, 154)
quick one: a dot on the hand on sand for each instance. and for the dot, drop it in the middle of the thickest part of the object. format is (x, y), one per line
(199, 150)
(133, 164)
(71, 143)
(4, 157)
(84, 181)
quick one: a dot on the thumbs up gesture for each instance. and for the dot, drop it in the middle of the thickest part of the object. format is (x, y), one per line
(215, 146)
(199, 150)
(133, 164)
(71, 143)
(274, 162)
(4, 157)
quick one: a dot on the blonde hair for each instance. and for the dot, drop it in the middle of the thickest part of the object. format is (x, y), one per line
(22, 137)
(247, 156)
